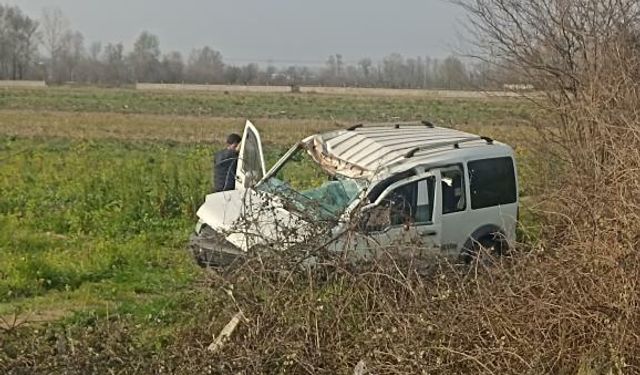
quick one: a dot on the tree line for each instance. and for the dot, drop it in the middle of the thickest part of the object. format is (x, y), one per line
(49, 49)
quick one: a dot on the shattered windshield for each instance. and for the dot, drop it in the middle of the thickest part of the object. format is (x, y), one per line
(310, 189)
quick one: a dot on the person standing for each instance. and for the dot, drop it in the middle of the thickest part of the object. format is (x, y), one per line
(225, 163)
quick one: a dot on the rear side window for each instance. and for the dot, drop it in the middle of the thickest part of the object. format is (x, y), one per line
(492, 182)
(453, 189)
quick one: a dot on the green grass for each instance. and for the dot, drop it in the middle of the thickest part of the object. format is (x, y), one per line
(86, 223)
(271, 105)
(96, 221)
(96, 205)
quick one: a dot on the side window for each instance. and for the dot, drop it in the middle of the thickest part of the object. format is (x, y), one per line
(403, 204)
(453, 189)
(492, 182)
(408, 204)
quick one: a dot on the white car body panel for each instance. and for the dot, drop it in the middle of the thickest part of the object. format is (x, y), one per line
(242, 217)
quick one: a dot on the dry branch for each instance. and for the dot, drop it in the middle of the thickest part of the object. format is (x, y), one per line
(225, 334)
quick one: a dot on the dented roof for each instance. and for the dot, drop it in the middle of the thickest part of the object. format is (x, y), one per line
(374, 147)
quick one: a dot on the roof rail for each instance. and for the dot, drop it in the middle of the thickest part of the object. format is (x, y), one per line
(396, 125)
(488, 140)
(455, 144)
(427, 123)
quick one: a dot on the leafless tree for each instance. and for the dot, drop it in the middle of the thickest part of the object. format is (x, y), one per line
(583, 53)
(54, 27)
(67, 59)
(18, 43)
(145, 58)
(115, 71)
(365, 65)
(205, 66)
(72, 55)
(173, 67)
(453, 73)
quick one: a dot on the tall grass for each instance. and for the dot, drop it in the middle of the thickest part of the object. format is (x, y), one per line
(77, 213)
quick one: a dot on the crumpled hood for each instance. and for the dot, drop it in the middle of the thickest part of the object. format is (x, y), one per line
(319, 150)
(248, 218)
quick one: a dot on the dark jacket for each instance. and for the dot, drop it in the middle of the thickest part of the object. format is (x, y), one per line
(224, 170)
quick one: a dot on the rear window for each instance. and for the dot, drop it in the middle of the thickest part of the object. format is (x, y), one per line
(492, 182)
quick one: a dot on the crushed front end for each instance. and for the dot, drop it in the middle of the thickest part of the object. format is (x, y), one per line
(211, 249)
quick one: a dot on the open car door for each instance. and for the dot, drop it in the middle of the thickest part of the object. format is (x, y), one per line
(251, 161)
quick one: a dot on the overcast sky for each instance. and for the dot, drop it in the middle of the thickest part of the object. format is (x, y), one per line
(285, 31)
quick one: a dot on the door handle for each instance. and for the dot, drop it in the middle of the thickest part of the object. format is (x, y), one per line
(429, 233)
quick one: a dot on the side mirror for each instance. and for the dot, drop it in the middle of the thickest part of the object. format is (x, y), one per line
(375, 219)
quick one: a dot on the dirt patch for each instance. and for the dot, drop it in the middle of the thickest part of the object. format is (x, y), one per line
(13, 321)
(456, 94)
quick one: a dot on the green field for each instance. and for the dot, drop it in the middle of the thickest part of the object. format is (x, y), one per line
(99, 190)
(272, 105)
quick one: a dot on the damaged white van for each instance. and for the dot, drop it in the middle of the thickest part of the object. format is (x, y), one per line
(365, 188)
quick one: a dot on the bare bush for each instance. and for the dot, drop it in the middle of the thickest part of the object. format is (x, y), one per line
(586, 54)
(570, 306)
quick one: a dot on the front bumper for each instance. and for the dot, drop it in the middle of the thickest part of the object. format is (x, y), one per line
(210, 249)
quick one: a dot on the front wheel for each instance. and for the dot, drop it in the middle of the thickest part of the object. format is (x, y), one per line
(486, 247)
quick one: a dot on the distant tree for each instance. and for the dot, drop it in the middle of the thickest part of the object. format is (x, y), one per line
(94, 66)
(115, 68)
(94, 50)
(205, 66)
(392, 70)
(413, 73)
(352, 76)
(232, 74)
(145, 58)
(270, 73)
(249, 73)
(71, 56)
(294, 75)
(339, 65)
(482, 74)
(173, 67)
(329, 76)
(54, 27)
(365, 66)
(454, 73)
(428, 78)
(334, 73)
(68, 59)
(18, 42)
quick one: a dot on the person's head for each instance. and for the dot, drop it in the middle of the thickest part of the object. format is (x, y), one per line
(233, 141)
